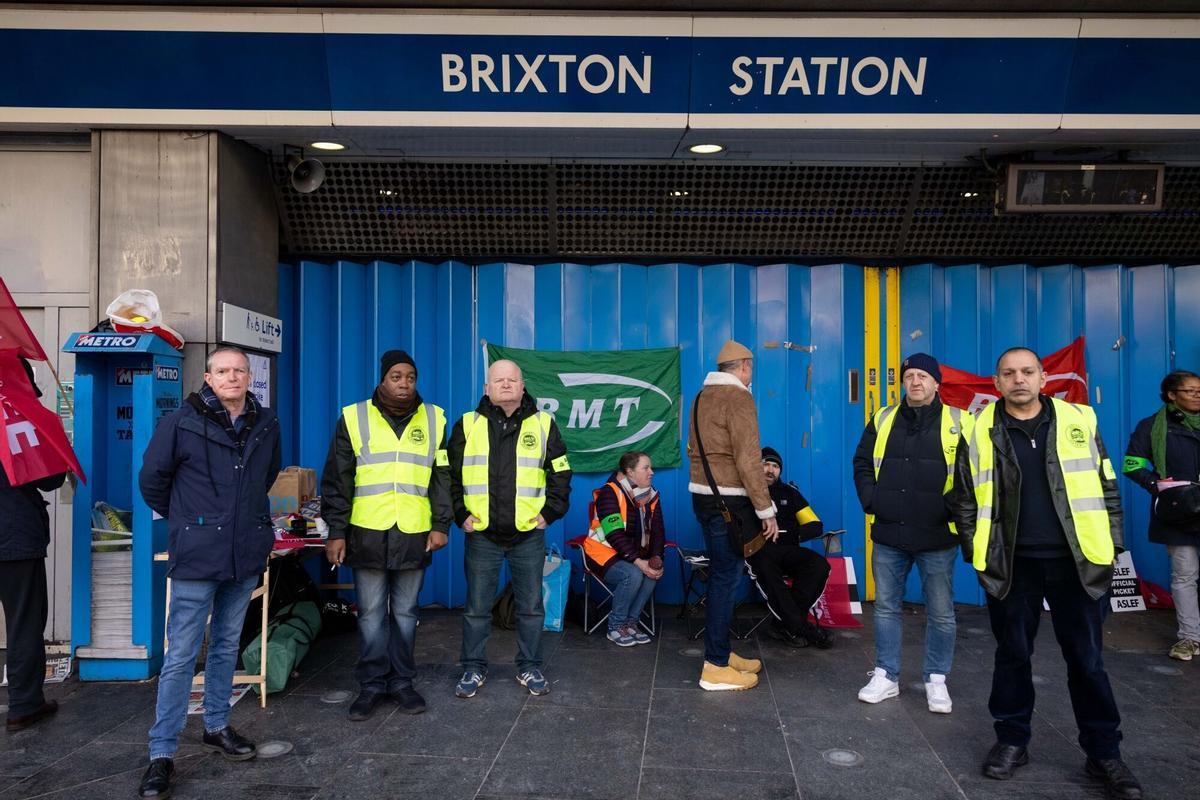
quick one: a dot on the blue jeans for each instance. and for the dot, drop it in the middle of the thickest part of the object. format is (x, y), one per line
(631, 589)
(724, 575)
(936, 568)
(191, 604)
(387, 627)
(482, 561)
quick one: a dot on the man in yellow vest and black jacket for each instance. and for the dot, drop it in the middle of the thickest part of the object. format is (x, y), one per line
(1039, 513)
(510, 478)
(385, 493)
(903, 470)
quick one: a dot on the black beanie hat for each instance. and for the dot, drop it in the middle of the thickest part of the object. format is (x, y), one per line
(391, 358)
(772, 455)
(922, 361)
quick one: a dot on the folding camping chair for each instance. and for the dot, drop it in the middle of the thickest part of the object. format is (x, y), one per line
(833, 546)
(648, 621)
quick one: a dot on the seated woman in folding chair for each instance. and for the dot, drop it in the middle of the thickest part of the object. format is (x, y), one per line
(625, 544)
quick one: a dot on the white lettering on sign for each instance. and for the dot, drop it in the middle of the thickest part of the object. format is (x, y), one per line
(866, 76)
(250, 328)
(584, 414)
(561, 72)
(105, 340)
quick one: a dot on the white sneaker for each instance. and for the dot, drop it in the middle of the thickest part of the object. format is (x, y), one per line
(937, 695)
(879, 689)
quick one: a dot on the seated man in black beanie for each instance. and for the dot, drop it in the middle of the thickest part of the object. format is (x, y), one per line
(786, 558)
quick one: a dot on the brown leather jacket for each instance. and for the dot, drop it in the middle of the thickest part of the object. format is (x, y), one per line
(728, 423)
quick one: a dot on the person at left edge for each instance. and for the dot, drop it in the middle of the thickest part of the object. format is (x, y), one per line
(385, 494)
(207, 470)
(24, 536)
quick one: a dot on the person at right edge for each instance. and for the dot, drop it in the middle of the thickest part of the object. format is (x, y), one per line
(1165, 447)
(1039, 516)
(727, 421)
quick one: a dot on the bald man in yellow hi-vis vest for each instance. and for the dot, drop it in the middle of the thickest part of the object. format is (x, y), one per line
(385, 493)
(1039, 513)
(509, 480)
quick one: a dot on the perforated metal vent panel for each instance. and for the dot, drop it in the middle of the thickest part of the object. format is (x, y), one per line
(681, 210)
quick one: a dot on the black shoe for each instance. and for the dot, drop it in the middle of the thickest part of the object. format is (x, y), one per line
(787, 637)
(1003, 759)
(816, 636)
(409, 700)
(157, 780)
(365, 704)
(15, 723)
(228, 743)
(1118, 779)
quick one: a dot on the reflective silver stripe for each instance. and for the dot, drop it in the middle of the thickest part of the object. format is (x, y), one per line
(883, 416)
(973, 453)
(475, 489)
(983, 512)
(394, 458)
(955, 416)
(368, 489)
(984, 476)
(530, 491)
(527, 461)
(1078, 465)
(412, 488)
(364, 426)
(1088, 504)
(430, 434)
(878, 462)
(475, 461)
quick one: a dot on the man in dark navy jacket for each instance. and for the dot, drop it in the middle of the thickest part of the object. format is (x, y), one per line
(207, 470)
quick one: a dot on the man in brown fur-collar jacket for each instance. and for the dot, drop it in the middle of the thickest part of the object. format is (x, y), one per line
(727, 422)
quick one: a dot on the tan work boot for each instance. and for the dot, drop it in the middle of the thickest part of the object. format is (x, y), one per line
(726, 679)
(751, 665)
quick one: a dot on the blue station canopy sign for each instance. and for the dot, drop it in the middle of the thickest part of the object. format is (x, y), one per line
(427, 70)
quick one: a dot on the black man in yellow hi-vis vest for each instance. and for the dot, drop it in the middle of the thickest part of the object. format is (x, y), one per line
(1039, 512)
(903, 470)
(385, 494)
(509, 479)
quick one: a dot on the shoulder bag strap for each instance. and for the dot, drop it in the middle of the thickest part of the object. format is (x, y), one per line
(712, 482)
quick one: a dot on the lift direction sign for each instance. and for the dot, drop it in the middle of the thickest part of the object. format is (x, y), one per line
(248, 328)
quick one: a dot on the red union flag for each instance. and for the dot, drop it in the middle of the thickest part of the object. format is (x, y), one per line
(34, 444)
(14, 332)
(1066, 379)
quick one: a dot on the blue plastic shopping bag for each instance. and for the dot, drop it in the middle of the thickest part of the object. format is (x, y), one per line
(556, 579)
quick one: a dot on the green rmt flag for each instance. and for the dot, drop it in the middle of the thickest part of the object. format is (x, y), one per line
(606, 402)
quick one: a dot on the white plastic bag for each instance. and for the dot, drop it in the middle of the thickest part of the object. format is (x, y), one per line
(138, 310)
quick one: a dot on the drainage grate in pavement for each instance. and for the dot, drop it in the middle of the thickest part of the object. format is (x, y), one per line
(842, 758)
(274, 749)
(336, 696)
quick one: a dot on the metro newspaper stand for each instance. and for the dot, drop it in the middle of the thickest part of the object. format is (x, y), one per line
(124, 384)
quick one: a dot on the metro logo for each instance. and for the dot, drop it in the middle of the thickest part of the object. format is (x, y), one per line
(606, 403)
(106, 340)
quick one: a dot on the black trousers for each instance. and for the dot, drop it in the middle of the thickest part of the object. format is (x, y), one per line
(769, 568)
(1078, 626)
(23, 593)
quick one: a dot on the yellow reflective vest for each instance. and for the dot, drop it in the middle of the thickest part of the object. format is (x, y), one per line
(532, 441)
(392, 473)
(953, 423)
(1081, 464)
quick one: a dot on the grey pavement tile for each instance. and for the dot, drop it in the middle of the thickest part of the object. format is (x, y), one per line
(473, 728)
(369, 775)
(1163, 751)
(620, 679)
(125, 786)
(90, 763)
(984, 789)
(692, 728)
(320, 735)
(894, 755)
(554, 752)
(709, 784)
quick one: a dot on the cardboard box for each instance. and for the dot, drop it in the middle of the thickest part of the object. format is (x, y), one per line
(293, 486)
